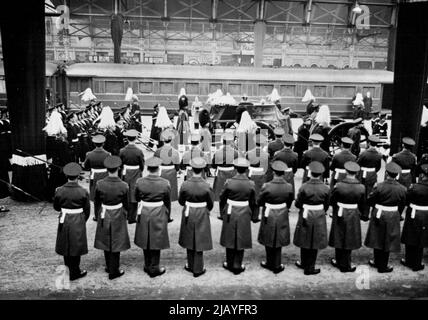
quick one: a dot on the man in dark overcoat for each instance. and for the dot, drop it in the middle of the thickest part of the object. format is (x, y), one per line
(388, 199)
(223, 163)
(313, 200)
(72, 201)
(197, 199)
(154, 208)
(415, 229)
(337, 166)
(290, 158)
(111, 194)
(370, 162)
(170, 161)
(133, 166)
(347, 200)
(316, 153)
(275, 201)
(238, 209)
(94, 162)
(406, 159)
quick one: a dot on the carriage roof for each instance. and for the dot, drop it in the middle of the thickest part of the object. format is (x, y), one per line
(51, 68)
(110, 70)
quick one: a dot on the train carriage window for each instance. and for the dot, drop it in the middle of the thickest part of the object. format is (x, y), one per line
(320, 91)
(287, 91)
(115, 87)
(192, 88)
(84, 83)
(74, 85)
(166, 88)
(215, 86)
(234, 89)
(265, 89)
(146, 87)
(371, 89)
(98, 86)
(342, 91)
(2, 86)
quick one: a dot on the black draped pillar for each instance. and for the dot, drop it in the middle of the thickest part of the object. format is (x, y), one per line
(410, 72)
(22, 26)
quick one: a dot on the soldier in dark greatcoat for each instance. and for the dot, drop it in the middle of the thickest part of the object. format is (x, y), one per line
(133, 166)
(407, 161)
(72, 201)
(238, 209)
(313, 200)
(111, 194)
(5, 156)
(273, 147)
(355, 134)
(337, 166)
(370, 161)
(275, 200)
(290, 158)
(347, 200)
(151, 233)
(197, 199)
(223, 161)
(259, 162)
(94, 162)
(170, 162)
(194, 152)
(303, 133)
(315, 154)
(383, 235)
(415, 229)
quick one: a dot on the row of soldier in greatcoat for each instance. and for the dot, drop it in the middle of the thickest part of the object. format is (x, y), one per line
(240, 203)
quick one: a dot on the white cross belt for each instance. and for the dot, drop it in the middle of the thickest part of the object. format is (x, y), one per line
(189, 205)
(65, 211)
(235, 204)
(345, 206)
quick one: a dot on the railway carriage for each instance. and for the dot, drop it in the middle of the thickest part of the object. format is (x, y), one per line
(161, 84)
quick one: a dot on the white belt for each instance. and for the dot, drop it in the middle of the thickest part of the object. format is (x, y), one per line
(381, 208)
(232, 203)
(416, 207)
(106, 207)
(126, 167)
(403, 171)
(289, 170)
(65, 211)
(345, 206)
(189, 205)
(365, 170)
(170, 167)
(270, 206)
(308, 174)
(94, 171)
(337, 172)
(307, 207)
(75, 140)
(253, 170)
(154, 204)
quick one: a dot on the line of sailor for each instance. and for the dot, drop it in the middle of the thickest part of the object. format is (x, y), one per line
(245, 194)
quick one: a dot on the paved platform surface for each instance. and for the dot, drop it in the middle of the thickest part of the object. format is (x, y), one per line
(29, 264)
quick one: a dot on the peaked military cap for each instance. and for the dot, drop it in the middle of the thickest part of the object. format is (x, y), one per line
(374, 139)
(279, 166)
(316, 137)
(316, 167)
(241, 162)
(72, 169)
(279, 131)
(288, 139)
(393, 168)
(112, 162)
(198, 163)
(153, 162)
(98, 139)
(408, 141)
(131, 133)
(347, 140)
(352, 167)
